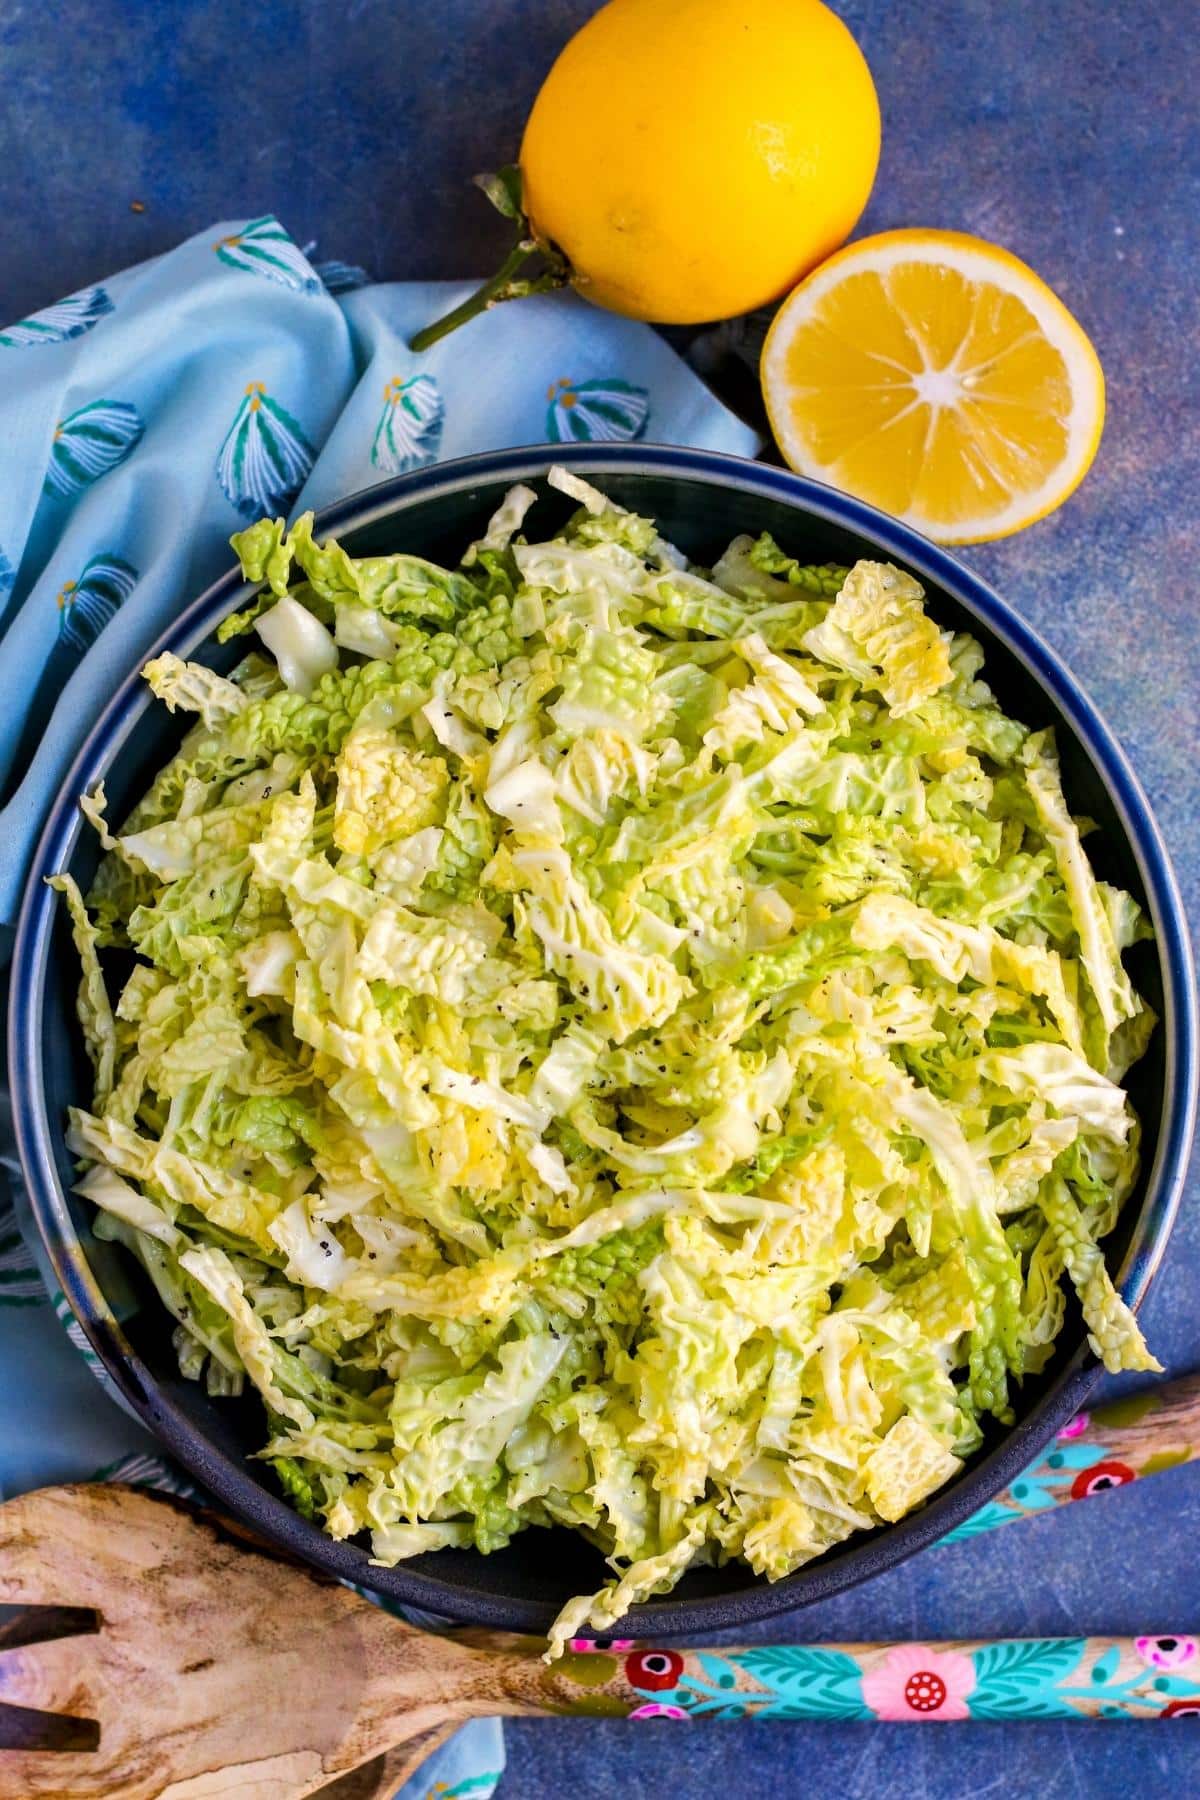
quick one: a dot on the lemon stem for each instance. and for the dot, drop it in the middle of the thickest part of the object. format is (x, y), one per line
(508, 283)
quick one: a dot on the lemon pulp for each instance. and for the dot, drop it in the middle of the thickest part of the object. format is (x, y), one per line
(937, 377)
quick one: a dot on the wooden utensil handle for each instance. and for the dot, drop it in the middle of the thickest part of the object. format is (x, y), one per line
(1153, 1676)
(1106, 1447)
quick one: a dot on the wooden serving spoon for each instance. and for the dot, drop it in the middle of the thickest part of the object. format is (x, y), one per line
(162, 1654)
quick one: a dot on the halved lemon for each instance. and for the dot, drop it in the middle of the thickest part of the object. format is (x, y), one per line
(938, 377)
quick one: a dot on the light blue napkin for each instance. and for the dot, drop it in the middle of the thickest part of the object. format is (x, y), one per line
(146, 418)
(142, 421)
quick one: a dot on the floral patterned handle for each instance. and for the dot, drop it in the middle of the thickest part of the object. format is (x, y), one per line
(1151, 1677)
(1106, 1447)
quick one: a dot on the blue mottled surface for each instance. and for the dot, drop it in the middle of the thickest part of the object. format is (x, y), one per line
(1067, 132)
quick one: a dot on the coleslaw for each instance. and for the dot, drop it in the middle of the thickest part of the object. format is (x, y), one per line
(609, 1044)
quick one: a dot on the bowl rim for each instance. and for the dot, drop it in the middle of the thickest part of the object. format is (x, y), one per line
(879, 1550)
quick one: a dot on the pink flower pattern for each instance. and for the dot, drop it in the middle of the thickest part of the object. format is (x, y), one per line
(1076, 1426)
(1010, 1678)
(1165, 1652)
(913, 1682)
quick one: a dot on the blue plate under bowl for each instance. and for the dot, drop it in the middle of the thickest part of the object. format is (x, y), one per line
(700, 500)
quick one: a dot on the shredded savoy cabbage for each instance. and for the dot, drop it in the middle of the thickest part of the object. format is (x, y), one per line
(609, 1044)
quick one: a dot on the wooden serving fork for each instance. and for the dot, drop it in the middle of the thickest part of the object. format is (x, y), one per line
(161, 1654)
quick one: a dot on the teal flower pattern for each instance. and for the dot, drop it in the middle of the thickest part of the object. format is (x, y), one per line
(265, 457)
(993, 1514)
(596, 412)
(153, 1472)
(8, 578)
(1066, 1471)
(85, 606)
(20, 1283)
(78, 1337)
(1020, 1679)
(75, 1332)
(1012, 1678)
(68, 318)
(89, 442)
(263, 247)
(409, 432)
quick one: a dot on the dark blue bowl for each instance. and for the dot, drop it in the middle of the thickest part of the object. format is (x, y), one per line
(700, 500)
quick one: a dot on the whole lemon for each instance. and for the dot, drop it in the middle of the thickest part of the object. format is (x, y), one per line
(695, 158)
